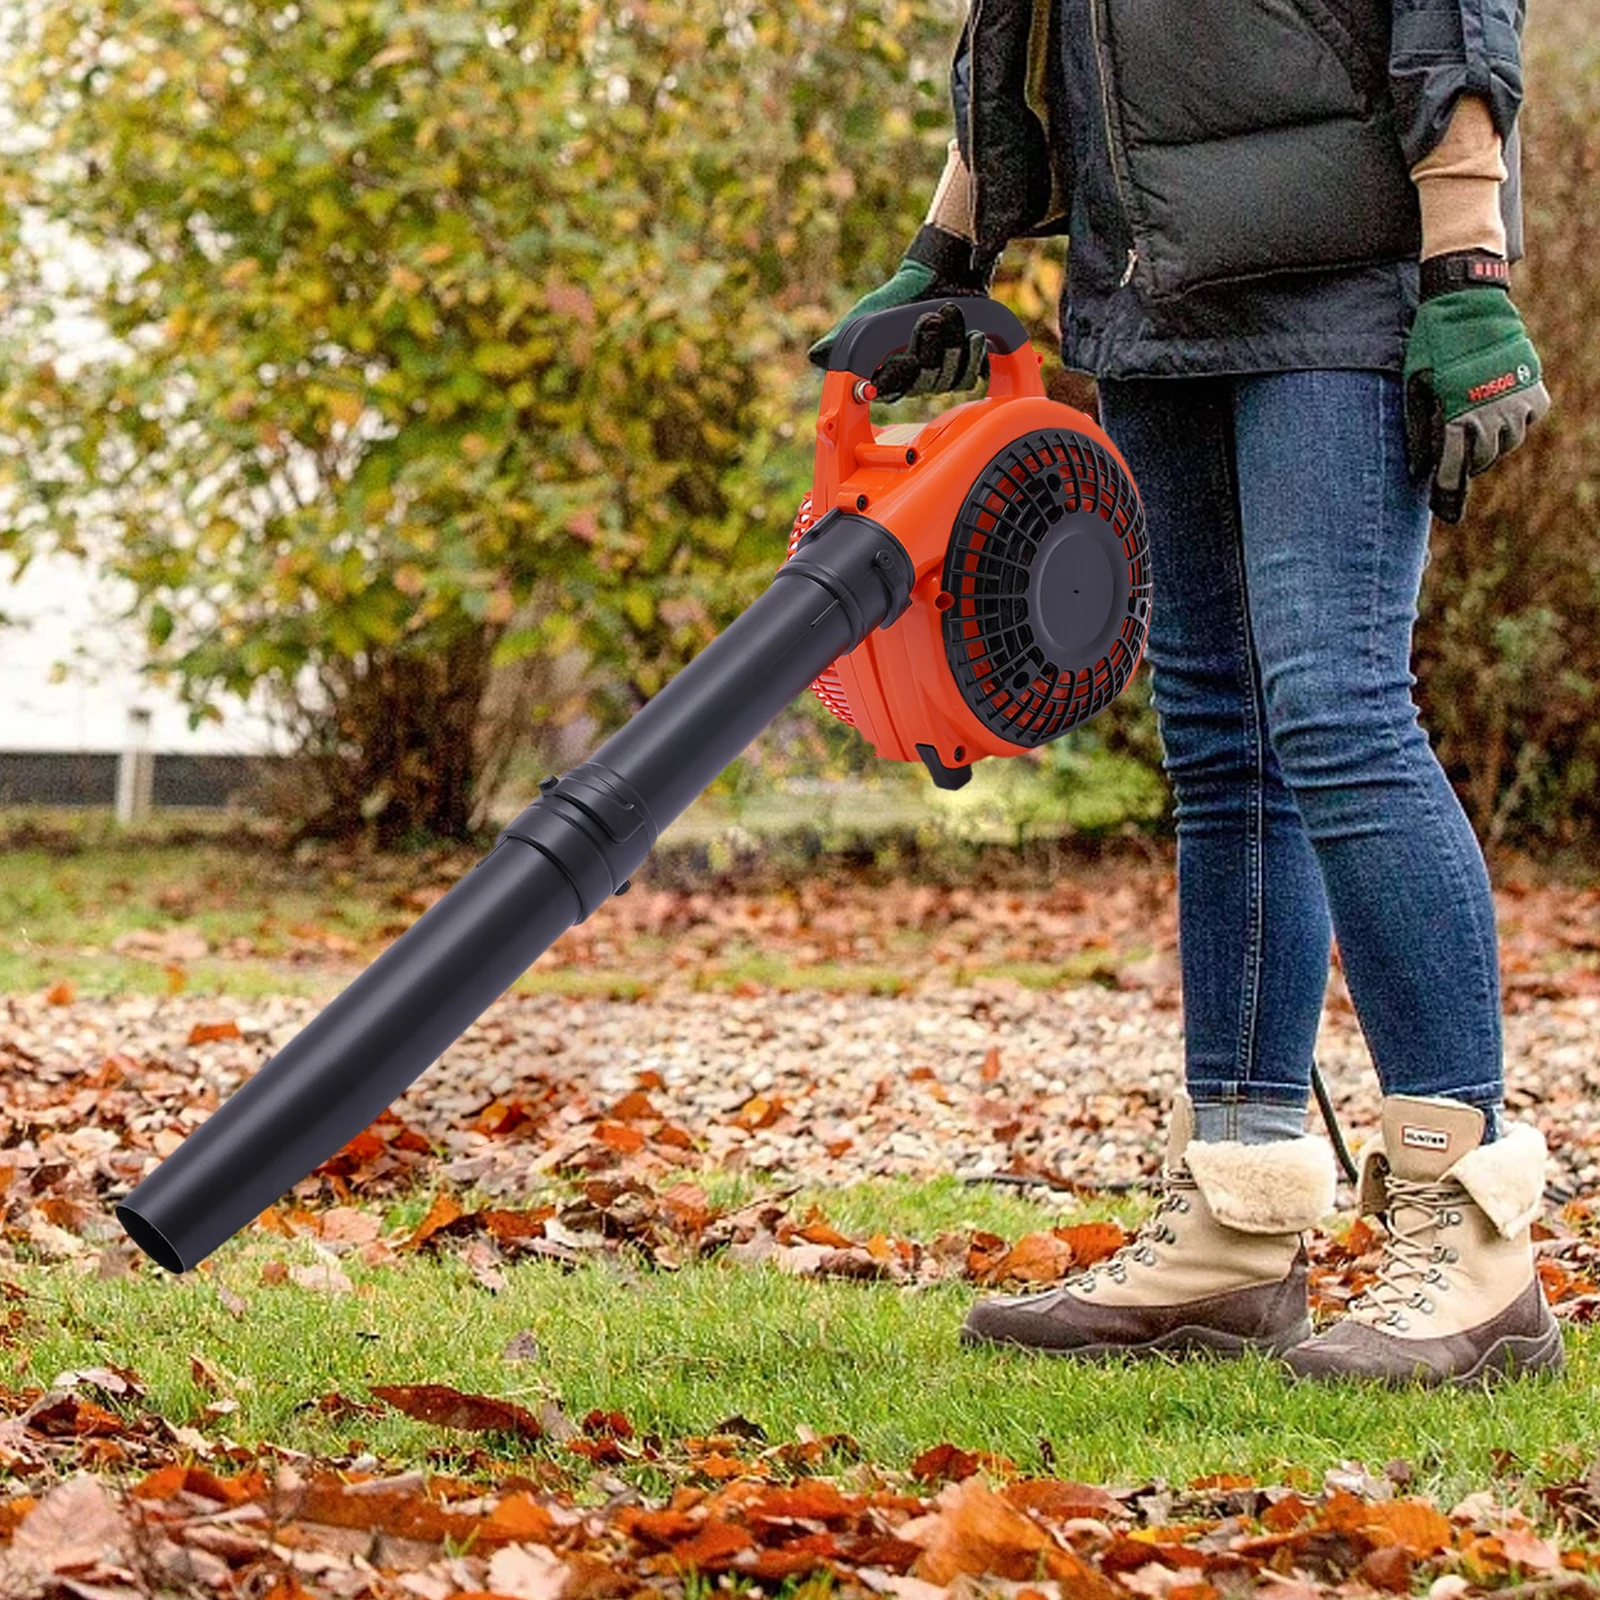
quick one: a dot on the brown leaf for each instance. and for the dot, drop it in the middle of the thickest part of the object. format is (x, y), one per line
(71, 1416)
(1060, 1499)
(522, 1346)
(350, 1225)
(445, 1407)
(946, 1463)
(76, 1524)
(1388, 1567)
(323, 1277)
(527, 1572)
(687, 1206)
(483, 1262)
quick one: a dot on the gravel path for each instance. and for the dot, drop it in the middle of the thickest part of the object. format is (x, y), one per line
(804, 1086)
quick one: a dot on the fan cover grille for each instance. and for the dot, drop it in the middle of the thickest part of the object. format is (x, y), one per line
(1042, 488)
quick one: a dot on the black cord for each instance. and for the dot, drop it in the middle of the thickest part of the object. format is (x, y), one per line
(1335, 1134)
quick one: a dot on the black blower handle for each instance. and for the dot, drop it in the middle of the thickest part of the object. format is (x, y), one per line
(867, 342)
(568, 852)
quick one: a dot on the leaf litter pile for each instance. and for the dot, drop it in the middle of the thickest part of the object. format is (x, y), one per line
(589, 1127)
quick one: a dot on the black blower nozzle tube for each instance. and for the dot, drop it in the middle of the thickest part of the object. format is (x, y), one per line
(568, 852)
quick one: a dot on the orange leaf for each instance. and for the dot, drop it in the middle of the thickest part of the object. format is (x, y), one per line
(520, 1516)
(508, 1227)
(60, 994)
(1092, 1241)
(211, 1032)
(712, 1549)
(499, 1116)
(620, 1137)
(821, 1232)
(634, 1107)
(1417, 1527)
(990, 1070)
(444, 1210)
(161, 1484)
(974, 1531)
(949, 1463)
(811, 1502)
(1036, 1258)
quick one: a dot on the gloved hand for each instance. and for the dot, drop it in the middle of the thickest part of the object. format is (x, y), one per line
(1472, 376)
(937, 265)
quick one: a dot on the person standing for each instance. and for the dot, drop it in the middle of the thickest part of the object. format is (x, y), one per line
(1290, 227)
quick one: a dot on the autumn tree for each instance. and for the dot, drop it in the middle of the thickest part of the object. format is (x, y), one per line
(432, 338)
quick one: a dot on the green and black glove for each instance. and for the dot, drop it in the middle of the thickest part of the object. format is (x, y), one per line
(1473, 379)
(938, 265)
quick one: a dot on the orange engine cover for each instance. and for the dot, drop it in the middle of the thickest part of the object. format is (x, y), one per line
(1032, 594)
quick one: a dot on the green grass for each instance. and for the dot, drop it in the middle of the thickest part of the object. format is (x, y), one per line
(268, 917)
(678, 1352)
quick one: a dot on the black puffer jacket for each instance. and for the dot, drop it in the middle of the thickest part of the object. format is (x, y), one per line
(1233, 174)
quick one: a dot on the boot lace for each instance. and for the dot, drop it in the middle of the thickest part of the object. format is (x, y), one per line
(1409, 1276)
(1140, 1249)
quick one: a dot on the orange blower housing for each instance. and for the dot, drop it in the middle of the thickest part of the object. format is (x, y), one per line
(1031, 602)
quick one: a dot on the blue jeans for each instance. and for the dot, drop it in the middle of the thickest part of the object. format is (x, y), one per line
(1287, 547)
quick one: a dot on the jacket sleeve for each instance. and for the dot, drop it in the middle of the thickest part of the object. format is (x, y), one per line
(1441, 49)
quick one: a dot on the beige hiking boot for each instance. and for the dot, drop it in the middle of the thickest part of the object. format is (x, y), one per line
(1457, 1299)
(1220, 1266)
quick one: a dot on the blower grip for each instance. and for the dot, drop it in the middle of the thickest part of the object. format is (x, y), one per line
(867, 342)
(569, 851)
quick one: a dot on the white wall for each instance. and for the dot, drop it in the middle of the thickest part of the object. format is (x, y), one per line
(64, 617)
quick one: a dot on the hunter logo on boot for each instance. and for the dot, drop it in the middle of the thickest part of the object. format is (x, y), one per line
(1424, 1138)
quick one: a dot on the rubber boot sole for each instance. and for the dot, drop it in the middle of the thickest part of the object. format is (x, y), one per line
(1515, 1356)
(1187, 1341)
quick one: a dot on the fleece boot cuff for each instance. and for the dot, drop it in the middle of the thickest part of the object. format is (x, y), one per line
(1286, 1186)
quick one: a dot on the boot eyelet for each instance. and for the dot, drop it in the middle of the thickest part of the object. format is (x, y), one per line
(1399, 1322)
(1455, 1216)
(1183, 1205)
(1452, 1255)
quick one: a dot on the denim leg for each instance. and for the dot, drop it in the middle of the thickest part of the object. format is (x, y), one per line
(1253, 928)
(1335, 541)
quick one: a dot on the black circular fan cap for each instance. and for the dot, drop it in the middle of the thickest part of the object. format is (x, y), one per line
(1048, 567)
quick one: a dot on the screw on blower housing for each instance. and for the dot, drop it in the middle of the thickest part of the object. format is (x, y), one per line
(997, 596)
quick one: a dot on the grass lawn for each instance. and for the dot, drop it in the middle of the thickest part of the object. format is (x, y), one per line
(273, 924)
(680, 1352)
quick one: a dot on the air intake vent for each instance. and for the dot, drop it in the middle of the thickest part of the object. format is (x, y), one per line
(1048, 569)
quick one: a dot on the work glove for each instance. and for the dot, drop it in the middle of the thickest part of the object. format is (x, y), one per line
(938, 265)
(1472, 376)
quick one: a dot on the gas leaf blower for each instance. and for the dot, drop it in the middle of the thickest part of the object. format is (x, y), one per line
(972, 587)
